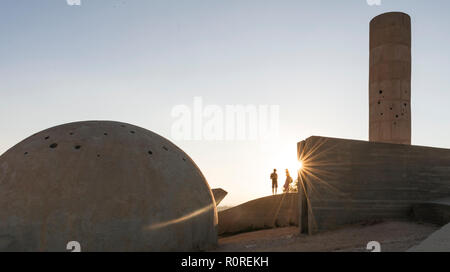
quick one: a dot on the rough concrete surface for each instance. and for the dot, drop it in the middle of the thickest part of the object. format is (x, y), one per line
(110, 186)
(267, 212)
(390, 78)
(349, 181)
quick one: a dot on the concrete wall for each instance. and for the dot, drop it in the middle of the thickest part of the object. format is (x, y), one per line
(352, 181)
(267, 212)
(390, 79)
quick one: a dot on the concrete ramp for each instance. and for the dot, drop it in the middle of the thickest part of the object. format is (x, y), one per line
(262, 213)
(436, 212)
(439, 241)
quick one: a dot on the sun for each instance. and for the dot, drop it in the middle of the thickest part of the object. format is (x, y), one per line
(300, 165)
(285, 159)
(293, 165)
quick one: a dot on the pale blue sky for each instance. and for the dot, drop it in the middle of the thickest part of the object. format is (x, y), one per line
(133, 61)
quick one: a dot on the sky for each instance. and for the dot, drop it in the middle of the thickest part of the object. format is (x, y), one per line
(135, 61)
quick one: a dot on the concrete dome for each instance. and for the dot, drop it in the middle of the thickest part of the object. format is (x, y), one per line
(110, 186)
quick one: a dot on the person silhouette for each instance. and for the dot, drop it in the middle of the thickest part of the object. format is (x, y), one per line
(287, 182)
(274, 178)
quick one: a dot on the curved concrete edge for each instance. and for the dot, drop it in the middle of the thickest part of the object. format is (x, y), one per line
(219, 195)
(267, 212)
(439, 241)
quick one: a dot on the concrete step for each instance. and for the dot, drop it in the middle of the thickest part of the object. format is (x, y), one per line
(435, 212)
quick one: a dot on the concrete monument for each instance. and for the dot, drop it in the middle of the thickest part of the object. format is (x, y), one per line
(108, 186)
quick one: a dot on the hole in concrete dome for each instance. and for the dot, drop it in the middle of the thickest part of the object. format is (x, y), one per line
(379, 102)
(165, 148)
(396, 116)
(132, 132)
(26, 153)
(390, 108)
(150, 152)
(71, 133)
(122, 125)
(184, 159)
(381, 91)
(381, 113)
(405, 104)
(106, 134)
(54, 145)
(98, 155)
(48, 137)
(77, 147)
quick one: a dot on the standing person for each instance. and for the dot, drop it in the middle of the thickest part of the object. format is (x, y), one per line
(274, 178)
(288, 182)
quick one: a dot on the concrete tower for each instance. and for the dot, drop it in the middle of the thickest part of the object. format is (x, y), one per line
(390, 78)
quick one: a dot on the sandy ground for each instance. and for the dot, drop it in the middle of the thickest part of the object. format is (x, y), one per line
(393, 236)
